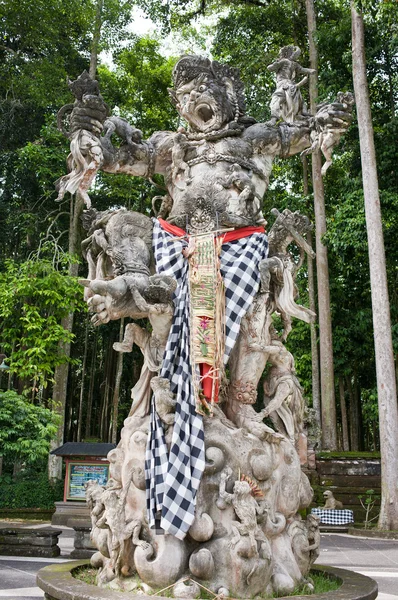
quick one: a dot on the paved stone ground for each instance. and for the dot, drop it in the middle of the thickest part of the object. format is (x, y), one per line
(373, 557)
(370, 556)
(18, 573)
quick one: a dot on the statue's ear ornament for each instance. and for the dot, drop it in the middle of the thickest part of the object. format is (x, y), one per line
(173, 96)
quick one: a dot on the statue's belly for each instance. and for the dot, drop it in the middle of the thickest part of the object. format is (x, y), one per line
(213, 196)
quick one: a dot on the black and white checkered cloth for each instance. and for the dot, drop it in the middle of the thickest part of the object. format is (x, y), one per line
(330, 516)
(173, 479)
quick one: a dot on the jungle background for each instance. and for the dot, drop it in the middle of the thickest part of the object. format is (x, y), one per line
(45, 43)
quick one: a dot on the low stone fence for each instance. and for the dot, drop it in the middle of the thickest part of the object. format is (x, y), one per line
(348, 477)
(15, 541)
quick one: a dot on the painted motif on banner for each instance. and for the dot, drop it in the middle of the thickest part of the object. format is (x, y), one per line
(207, 309)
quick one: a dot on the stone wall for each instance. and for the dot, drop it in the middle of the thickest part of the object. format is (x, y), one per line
(348, 477)
(15, 541)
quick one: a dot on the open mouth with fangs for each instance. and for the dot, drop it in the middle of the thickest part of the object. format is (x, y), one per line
(204, 112)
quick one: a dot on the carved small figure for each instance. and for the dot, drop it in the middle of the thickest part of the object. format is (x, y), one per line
(123, 129)
(87, 116)
(314, 537)
(330, 501)
(166, 204)
(305, 539)
(248, 202)
(279, 270)
(119, 246)
(114, 518)
(178, 157)
(283, 395)
(328, 137)
(287, 102)
(152, 345)
(246, 509)
(165, 401)
(94, 493)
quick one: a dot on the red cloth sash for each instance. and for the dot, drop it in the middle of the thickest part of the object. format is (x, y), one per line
(229, 236)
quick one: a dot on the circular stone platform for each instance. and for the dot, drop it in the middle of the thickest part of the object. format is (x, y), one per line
(58, 583)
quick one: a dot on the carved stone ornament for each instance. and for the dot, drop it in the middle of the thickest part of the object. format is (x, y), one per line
(195, 459)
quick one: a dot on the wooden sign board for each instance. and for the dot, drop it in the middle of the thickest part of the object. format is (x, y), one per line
(79, 472)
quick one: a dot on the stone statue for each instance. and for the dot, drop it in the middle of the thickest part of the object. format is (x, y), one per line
(305, 539)
(128, 134)
(330, 501)
(327, 138)
(247, 510)
(195, 455)
(87, 116)
(287, 102)
(283, 395)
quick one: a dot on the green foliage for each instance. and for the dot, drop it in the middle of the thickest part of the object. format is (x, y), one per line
(352, 454)
(368, 502)
(34, 492)
(138, 85)
(34, 297)
(25, 429)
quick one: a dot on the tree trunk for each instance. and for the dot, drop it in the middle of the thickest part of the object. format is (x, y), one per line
(17, 468)
(81, 398)
(328, 402)
(344, 421)
(385, 373)
(62, 371)
(396, 369)
(316, 392)
(91, 388)
(354, 416)
(96, 39)
(116, 391)
(104, 411)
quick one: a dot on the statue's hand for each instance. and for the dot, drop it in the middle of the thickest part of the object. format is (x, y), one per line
(115, 299)
(261, 415)
(135, 295)
(226, 473)
(334, 115)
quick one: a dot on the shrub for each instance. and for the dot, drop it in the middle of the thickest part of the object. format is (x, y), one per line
(33, 492)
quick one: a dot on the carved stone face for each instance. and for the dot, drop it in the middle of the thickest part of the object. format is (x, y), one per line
(205, 103)
(242, 489)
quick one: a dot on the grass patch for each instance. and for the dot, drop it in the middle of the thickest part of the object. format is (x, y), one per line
(348, 454)
(86, 574)
(322, 583)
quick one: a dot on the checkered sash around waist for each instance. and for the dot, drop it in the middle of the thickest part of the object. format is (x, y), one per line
(173, 478)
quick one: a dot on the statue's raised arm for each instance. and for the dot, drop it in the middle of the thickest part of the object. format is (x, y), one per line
(217, 166)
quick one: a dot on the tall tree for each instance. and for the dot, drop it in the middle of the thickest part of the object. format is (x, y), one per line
(316, 390)
(328, 401)
(386, 383)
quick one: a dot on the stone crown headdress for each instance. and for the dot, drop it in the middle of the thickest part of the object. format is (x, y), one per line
(84, 84)
(191, 66)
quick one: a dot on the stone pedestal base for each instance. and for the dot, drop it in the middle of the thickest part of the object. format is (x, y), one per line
(29, 542)
(83, 547)
(69, 510)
